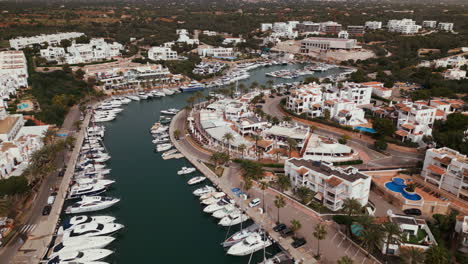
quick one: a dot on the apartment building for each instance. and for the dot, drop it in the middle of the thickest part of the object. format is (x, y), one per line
(332, 185)
(185, 38)
(96, 50)
(317, 44)
(13, 72)
(51, 39)
(330, 27)
(343, 34)
(233, 41)
(53, 54)
(429, 24)
(403, 26)
(308, 26)
(355, 30)
(445, 26)
(266, 26)
(415, 120)
(461, 228)
(448, 170)
(378, 89)
(162, 53)
(454, 62)
(220, 52)
(446, 107)
(454, 74)
(373, 25)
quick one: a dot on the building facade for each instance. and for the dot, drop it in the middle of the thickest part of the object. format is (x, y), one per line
(51, 39)
(316, 44)
(162, 53)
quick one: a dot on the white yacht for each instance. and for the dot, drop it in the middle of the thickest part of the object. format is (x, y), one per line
(225, 211)
(159, 94)
(80, 256)
(240, 235)
(92, 230)
(212, 194)
(77, 191)
(249, 245)
(82, 243)
(170, 111)
(203, 190)
(91, 204)
(83, 219)
(163, 147)
(196, 180)
(210, 200)
(86, 181)
(143, 95)
(186, 170)
(218, 206)
(233, 219)
(167, 91)
(160, 140)
(133, 97)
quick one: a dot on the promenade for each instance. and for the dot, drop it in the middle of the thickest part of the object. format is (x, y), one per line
(333, 247)
(38, 241)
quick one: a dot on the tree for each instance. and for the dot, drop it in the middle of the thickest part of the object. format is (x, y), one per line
(295, 226)
(351, 206)
(48, 136)
(283, 182)
(305, 194)
(177, 134)
(320, 232)
(228, 137)
(287, 119)
(292, 144)
(256, 138)
(242, 148)
(437, 255)
(279, 203)
(383, 126)
(263, 185)
(66, 68)
(380, 144)
(79, 74)
(412, 255)
(345, 260)
(393, 235)
(219, 158)
(372, 238)
(77, 124)
(70, 142)
(326, 114)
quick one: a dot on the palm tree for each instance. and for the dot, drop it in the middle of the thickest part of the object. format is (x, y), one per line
(320, 232)
(292, 144)
(270, 83)
(393, 235)
(345, 260)
(351, 206)
(437, 255)
(305, 194)
(287, 119)
(283, 182)
(241, 148)
(253, 85)
(256, 138)
(48, 136)
(191, 101)
(177, 134)
(372, 238)
(412, 255)
(263, 185)
(312, 129)
(279, 203)
(295, 226)
(228, 137)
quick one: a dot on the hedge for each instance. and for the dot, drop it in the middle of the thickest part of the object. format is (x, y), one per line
(349, 162)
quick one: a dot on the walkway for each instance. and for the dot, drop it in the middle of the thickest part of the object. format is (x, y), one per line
(334, 247)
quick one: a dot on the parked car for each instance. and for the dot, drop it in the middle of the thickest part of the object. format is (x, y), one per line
(254, 202)
(61, 173)
(46, 210)
(412, 211)
(279, 227)
(298, 242)
(51, 200)
(286, 232)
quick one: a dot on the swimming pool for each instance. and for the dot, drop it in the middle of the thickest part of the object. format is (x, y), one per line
(22, 106)
(365, 129)
(398, 185)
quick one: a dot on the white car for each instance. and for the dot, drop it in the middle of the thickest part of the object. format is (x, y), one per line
(254, 202)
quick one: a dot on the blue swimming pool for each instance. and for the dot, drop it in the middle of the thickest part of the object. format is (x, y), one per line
(22, 106)
(398, 185)
(365, 129)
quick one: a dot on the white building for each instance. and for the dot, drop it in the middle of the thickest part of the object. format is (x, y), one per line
(379, 89)
(445, 26)
(220, 52)
(209, 33)
(404, 26)
(320, 148)
(162, 53)
(234, 41)
(185, 38)
(448, 170)
(461, 227)
(266, 26)
(343, 34)
(96, 50)
(429, 24)
(373, 25)
(454, 74)
(446, 107)
(13, 73)
(51, 39)
(53, 54)
(281, 29)
(454, 62)
(317, 44)
(332, 185)
(415, 120)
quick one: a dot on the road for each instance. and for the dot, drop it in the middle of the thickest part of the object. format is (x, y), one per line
(333, 247)
(372, 158)
(34, 215)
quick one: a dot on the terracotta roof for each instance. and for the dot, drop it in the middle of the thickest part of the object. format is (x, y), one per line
(408, 126)
(316, 105)
(440, 112)
(439, 102)
(344, 111)
(381, 220)
(264, 143)
(372, 83)
(406, 109)
(333, 181)
(436, 169)
(401, 133)
(329, 102)
(302, 171)
(444, 160)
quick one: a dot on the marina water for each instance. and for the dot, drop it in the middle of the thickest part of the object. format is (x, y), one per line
(164, 221)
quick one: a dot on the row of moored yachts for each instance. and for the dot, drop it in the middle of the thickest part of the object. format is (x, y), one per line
(82, 238)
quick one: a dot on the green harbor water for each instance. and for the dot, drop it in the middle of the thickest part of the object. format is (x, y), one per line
(164, 221)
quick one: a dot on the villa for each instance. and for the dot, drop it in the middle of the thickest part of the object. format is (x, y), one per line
(184, 37)
(97, 50)
(162, 53)
(332, 185)
(415, 120)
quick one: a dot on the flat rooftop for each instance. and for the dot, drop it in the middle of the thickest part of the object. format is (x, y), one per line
(343, 173)
(8, 123)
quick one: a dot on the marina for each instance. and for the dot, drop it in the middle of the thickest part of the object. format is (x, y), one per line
(135, 173)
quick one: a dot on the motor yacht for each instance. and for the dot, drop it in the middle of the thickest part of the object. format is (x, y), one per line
(85, 181)
(169, 152)
(133, 97)
(79, 256)
(91, 204)
(163, 147)
(83, 219)
(186, 170)
(233, 219)
(196, 180)
(240, 235)
(225, 211)
(203, 190)
(217, 206)
(82, 243)
(171, 111)
(159, 94)
(143, 96)
(192, 86)
(167, 91)
(92, 230)
(77, 191)
(212, 194)
(210, 200)
(249, 245)
(160, 140)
